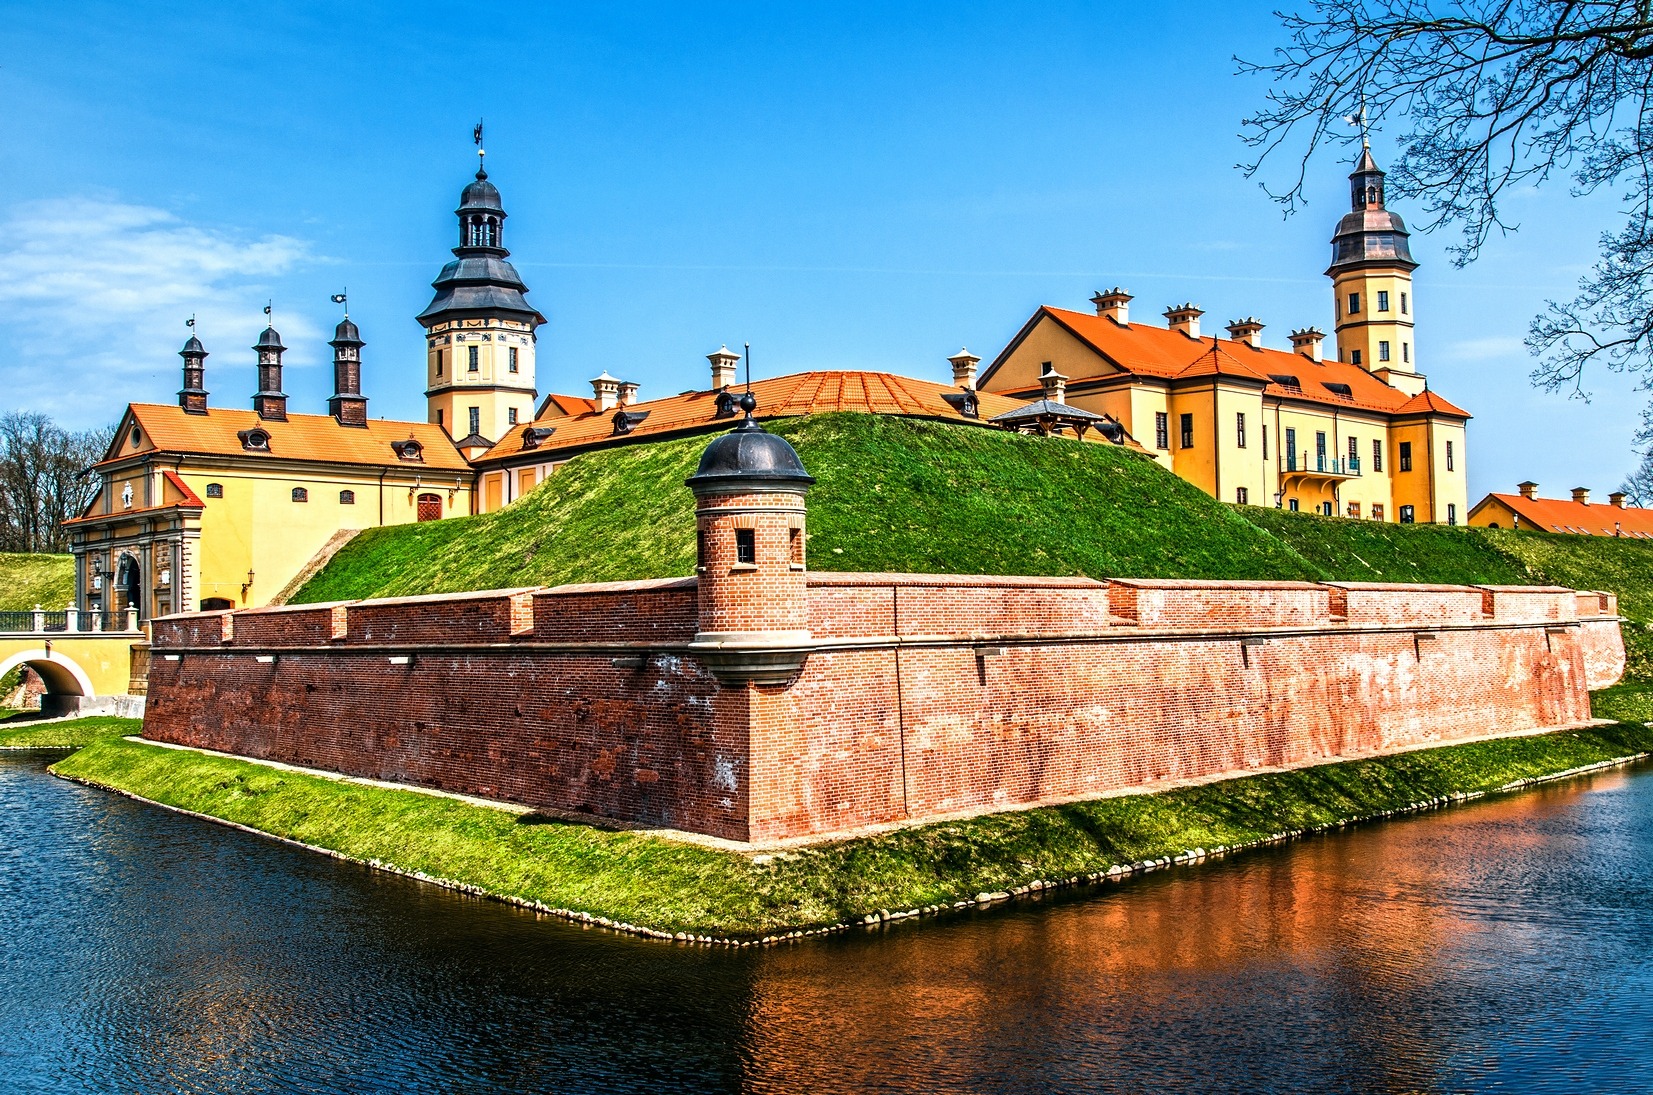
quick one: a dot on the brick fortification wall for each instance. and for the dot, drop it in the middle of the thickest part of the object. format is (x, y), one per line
(921, 696)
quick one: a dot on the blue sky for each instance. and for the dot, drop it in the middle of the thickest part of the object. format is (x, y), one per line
(866, 187)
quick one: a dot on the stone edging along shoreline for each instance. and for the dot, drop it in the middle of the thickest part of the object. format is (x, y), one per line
(1115, 873)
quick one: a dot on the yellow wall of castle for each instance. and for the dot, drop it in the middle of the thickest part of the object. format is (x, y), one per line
(1367, 329)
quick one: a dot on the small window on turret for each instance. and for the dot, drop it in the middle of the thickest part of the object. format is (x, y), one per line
(1383, 351)
(746, 545)
(795, 546)
(1383, 300)
(472, 363)
(1354, 303)
(513, 365)
(700, 551)
(1403, 304)
(1354, 357)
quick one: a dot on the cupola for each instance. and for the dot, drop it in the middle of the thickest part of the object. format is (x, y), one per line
(270, 401)
(193, 396)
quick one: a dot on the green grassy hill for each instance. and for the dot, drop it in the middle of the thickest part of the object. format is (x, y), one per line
(29, 580)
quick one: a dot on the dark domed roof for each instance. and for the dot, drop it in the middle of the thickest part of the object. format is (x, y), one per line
(749, 457)
(346, 334)
(269, 340)
(480, 194)
(193, 348)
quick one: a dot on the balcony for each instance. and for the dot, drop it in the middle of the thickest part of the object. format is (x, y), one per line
(1306, 466)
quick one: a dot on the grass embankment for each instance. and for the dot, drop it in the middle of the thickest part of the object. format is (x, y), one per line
(643, 880)
(65, 733)
(892, 494)
(29, 580)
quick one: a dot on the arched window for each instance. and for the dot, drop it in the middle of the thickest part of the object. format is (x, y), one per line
(347, 497)
(215, 490)
(430, 507)
(300, 494)
(216, 604)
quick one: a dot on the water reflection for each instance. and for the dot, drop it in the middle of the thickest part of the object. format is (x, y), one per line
(1501, 946)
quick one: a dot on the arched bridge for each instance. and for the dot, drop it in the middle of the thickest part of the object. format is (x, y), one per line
(80, 656)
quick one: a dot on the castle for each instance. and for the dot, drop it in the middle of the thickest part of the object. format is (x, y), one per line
(207, 507)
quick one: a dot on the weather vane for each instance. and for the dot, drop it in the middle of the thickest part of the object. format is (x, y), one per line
(1358, 119)
(190, 322)
(268, 304)
(476, 135)
(344, 299)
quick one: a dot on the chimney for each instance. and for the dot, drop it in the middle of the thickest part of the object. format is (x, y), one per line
(193, 397)
(347, 406)
(270, 401)
(628, 393)
(1054, 384)
(723, 367)
(964, 369)
(606, 390)
(1184, 318)
(1529, 489)
(1307, 342)
(1115, 304)
(1248, 330)
(1581, 495)
(1616, 499)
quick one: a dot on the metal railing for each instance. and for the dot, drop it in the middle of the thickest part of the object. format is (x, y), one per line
(69, 621)
(1324, 465)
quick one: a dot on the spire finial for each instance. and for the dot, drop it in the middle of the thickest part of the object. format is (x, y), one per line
(269, 318)
(1359, 119)
(481, 153)
(344, 299)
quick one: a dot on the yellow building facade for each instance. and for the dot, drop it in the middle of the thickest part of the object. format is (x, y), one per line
(1358, 435)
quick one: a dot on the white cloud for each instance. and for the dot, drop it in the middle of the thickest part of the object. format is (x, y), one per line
(94, 293)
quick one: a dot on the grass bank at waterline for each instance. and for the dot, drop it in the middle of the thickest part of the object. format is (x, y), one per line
(65, 733)
(640, 881)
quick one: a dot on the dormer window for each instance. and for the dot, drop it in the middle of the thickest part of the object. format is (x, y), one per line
(626, 421)
(409, 450)
(255, 440)
(533, 435)
(727, 404)
(965, 403)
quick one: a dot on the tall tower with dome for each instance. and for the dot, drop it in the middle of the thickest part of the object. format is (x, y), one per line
(480, 330)
(1371, 274)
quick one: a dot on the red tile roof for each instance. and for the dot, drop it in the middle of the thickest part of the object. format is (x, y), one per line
(1579, 518)
(1145, 350)
(301, 437)
(778, 397)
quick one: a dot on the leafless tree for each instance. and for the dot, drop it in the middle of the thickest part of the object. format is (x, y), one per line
(43, 480)
(1638, 485)
(1490, 96)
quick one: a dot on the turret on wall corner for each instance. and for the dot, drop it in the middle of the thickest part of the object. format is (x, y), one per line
(348, 406)
(749, 529)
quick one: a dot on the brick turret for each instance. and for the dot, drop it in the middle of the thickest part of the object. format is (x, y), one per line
(270, 401)
(753, 591)
(348, 405)
(193, 396)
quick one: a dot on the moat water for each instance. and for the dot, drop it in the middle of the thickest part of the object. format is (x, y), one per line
(1502, 946)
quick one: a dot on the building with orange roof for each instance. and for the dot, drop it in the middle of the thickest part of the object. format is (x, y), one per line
(1356, 435)
(1577, 517)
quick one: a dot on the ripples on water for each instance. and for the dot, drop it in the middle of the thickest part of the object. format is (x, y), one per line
(1502, 946)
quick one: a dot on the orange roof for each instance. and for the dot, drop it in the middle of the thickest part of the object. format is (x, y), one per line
(1145, 350)
(1579, 518)
(778, 397)
(555, 405)
(301, 437)
(187, 496)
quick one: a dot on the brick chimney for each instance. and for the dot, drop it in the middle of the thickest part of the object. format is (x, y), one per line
(1114, 304)
(724, 367)
(1581, 495)
(1529, 489)
(1307, 342)
(1054, 384)
(270, 401)
(348, 406)
(1184, 318)
(606, 390)
(964, 369)
(1248, 330)
(1616, 499)
(628, 393)
(193, 397)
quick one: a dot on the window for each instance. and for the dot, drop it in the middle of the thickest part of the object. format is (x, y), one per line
(1406, 456)
(1377, 513)
(476, 418)
(1292, 505)
(1241, 496)
(217, 604)
(746, 545)
(1451, 513)
(1320, 450)
(1406, 515)
(1377, 454)
(1354, 357)
(1265, 442)
(1291, 450)
(1354, 509)
(1406, 351)
(700, 551)
(300, 494)
(1354, 303)
(438, 417)
(513, 365)
(1326, 510)
(1162, 430)
(1187, 421)
(215, 490)
(347, 497)
(1449, 456)
(441, 361)
(795, 546)
(1354, 456)
(1383, 350)
(1383, 300)
(473, 362)
(511, 415)
(1403, 304)
(1239, 429)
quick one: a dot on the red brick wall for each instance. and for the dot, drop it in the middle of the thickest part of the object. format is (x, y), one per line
(932, 695)
(768, 595)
